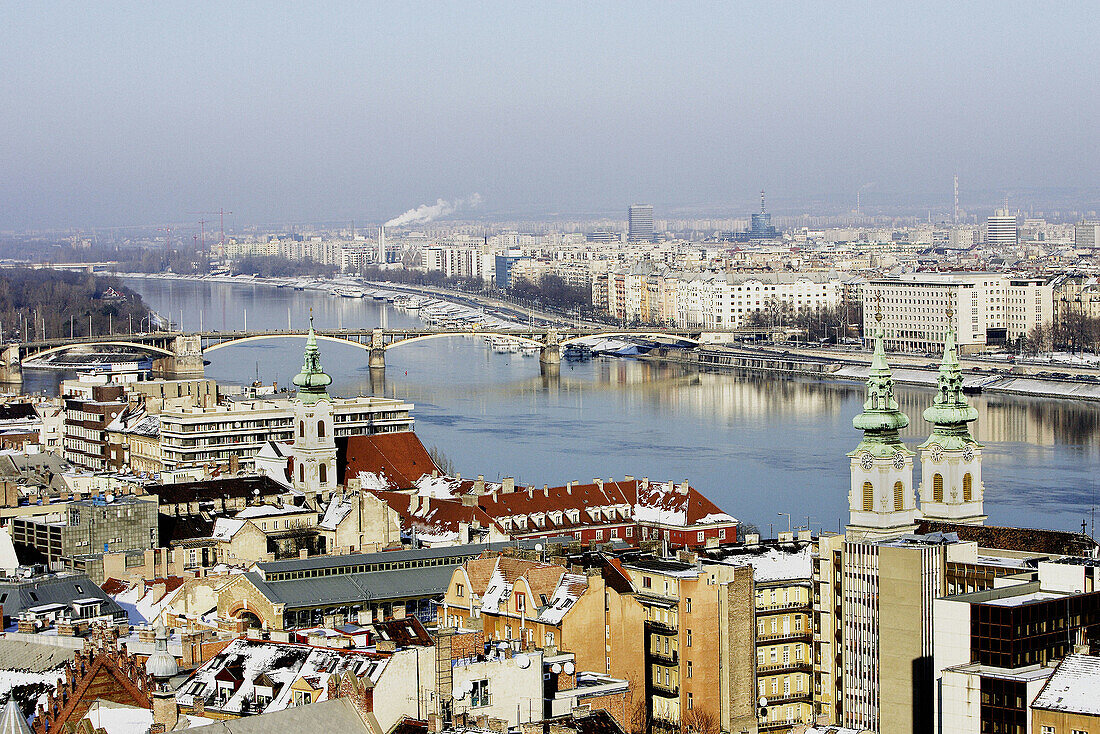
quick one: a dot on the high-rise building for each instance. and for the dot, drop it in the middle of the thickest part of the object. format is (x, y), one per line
(762, 228)
(1087, 233)
(1001, 229)
(641, 223)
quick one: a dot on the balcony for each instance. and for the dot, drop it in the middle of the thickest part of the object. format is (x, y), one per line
(663, 628)
(792, 666)
(780, 698)
(777, 725)
(781, 606)
(665, 691)
(806, 635)
(665, 658)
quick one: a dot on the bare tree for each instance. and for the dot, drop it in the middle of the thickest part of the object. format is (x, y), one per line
(700, 720)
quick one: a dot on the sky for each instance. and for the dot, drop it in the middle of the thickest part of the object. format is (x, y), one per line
(119, 114)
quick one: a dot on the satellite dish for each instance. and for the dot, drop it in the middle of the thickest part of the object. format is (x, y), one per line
(502, 646)
(538, 546)
(555, 668)
(763, 701)
(110, 498)
(523, 662)
(569, 668)
(459, 692)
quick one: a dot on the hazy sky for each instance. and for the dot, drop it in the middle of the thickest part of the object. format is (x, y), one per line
(118, 114)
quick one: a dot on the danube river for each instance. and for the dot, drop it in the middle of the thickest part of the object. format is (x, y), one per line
(756, 445)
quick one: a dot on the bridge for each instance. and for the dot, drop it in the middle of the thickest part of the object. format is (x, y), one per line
(180, 354)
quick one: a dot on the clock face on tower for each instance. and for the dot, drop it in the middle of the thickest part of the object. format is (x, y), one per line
(866, 461)
(968, 453)
(936, 453)
(899, 461)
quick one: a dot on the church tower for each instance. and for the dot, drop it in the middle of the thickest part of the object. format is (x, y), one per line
(314, 470)
(881, 501)
(951, 460)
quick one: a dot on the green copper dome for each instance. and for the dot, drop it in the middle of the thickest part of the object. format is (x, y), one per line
(950, 412)
(881, 419)
(312, 380)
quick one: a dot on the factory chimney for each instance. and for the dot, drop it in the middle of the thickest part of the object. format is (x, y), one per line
(381, 245)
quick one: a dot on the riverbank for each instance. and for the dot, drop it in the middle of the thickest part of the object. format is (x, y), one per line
(857, 369)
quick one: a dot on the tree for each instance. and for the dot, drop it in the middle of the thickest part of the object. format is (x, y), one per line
(700, 720)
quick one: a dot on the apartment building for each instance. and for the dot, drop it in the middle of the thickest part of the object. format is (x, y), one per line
(699, 642)
(784, 625)
(89, 412)
(460, 262)
(531, 604)
(994, 649)
(195, 436)
(987, 309)
(650, 293)
(103, 524)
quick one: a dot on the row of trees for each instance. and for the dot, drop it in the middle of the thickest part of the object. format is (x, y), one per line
(551, 290)
(53, 304)
(273, 266)
(1070, 332)
(824, 323)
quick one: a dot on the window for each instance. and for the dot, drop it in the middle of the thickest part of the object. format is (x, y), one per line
(691, 703)
(700, 536)
(688, 609)
(689, 668)
(968, 487)
(1048, 730)
(324, 473)
(320, 429)
(301, 473)
(868, 497)
(460, 590)
(647, 582)
(937, 488)
(899, 496)
(302, 428)
(550, 639)
(480, 696)
(689, 638)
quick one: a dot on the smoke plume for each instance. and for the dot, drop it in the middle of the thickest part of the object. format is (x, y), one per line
(441, 208)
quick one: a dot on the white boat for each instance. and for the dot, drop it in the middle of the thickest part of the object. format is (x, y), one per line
(345, 292)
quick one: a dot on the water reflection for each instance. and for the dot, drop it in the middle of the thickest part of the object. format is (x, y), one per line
(757, 444)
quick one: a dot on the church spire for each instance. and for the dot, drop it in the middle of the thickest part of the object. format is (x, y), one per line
(950, 412)
(881, 502)
(312, 380)
(881, 419)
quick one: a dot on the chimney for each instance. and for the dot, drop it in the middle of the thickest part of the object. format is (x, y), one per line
(508, 485)
(569, 487)
(629, 478)
(469, 500)
(546, 490)
(479, 485)
(683, 488)
(645, 483)
(458, 477)
(599, 483)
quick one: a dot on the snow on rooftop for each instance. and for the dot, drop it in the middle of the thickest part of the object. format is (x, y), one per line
(374, 482)
(233, 672)
(339, 508)
(1074, 687)
(225, 528)
(117, 718)
(775, 564)
(1015, 601)
(268, 511)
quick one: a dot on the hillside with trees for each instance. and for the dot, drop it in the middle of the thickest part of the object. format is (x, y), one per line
(54, 304)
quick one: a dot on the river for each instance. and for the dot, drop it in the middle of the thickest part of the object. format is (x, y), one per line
(756, 445)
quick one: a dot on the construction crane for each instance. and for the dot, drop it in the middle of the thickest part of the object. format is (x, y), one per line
(221, 214)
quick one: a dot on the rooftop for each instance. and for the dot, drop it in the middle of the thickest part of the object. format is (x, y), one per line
(1074, 687)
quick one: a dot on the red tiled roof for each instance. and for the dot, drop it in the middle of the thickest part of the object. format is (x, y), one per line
(398, 457)
(433, 513)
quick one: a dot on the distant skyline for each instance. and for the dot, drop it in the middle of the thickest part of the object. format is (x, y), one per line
(142, 113)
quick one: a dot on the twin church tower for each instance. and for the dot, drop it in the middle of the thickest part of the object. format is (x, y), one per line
(881, 501)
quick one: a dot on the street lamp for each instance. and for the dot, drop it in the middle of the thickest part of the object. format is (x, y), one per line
(788, 515)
